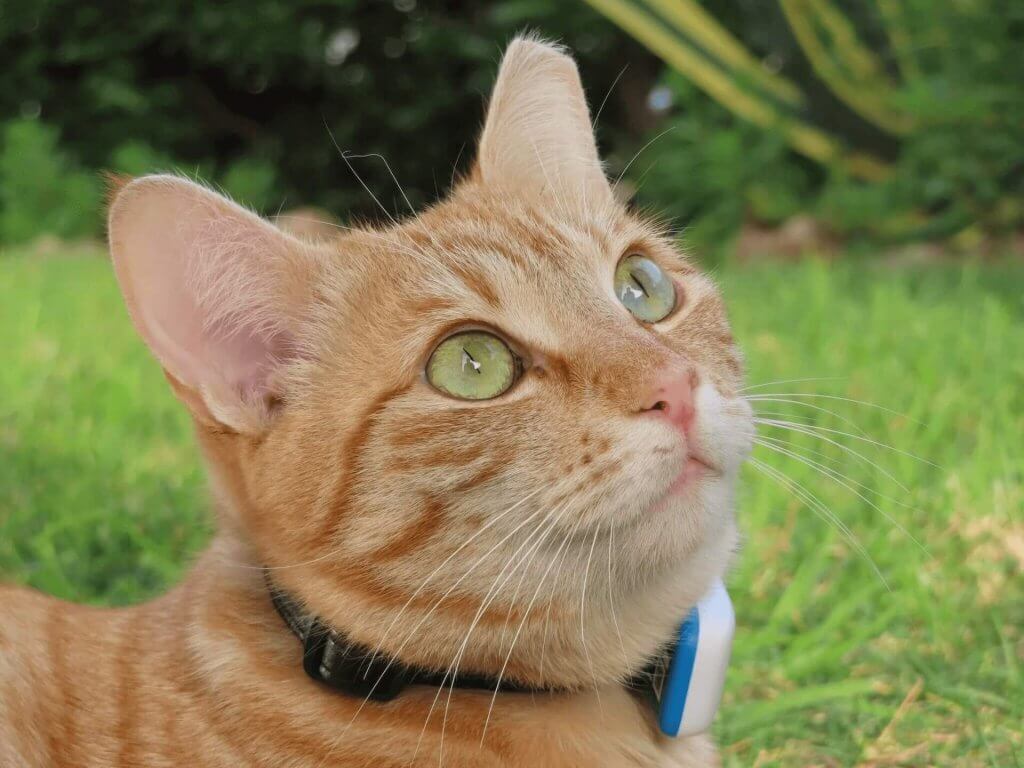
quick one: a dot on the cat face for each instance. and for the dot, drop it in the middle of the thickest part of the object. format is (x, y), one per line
(510, 421)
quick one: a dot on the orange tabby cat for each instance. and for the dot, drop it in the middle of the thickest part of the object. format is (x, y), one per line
(499, 439)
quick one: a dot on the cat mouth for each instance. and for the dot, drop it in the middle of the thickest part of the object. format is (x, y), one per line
(694, 468)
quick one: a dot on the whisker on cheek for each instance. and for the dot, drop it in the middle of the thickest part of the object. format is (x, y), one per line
(815, 504)
(583, 608)
(551, 521)
(814, 395)
(800, 429)
(519, 629)
(877, 443)
(847, 483)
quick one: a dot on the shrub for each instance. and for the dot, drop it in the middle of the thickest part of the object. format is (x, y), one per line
(41, 191)
(252, 182)
(929, 92)
(238, 88)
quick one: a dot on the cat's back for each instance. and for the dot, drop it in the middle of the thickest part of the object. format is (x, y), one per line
(25, 616)
(25, 649)
(58, 679)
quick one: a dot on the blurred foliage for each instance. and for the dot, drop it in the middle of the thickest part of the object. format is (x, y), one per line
(930, 89)
(254, 95)
(887, 120)
(41, 190)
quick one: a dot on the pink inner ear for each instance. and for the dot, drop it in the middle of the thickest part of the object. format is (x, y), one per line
(246, 357)
(197, 273)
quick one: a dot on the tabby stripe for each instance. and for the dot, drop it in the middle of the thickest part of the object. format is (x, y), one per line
(179, 751)
(441, 424)
(415, 535)
(444, 457)
(350, 456)
(488, 472)
(186, 681)
(357, 580)
(432, 305)
(290, 734)
(127, 705)
(476, 282)
(481, 243)
(64, 735)
(433, 515)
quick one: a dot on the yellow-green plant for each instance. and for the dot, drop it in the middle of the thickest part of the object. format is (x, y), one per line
(935, 86)
(847, 66)
(680, 31)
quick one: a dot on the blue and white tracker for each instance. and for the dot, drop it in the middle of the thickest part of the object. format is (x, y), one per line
(693, 682)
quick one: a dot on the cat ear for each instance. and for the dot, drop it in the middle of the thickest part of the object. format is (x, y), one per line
(214, 290)
(537, 137)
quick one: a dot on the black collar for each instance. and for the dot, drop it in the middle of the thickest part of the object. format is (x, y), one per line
(331, 658)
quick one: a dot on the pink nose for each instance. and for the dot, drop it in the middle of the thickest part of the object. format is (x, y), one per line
(670, 396)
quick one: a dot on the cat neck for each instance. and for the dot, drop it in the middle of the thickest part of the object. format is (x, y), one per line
(333, 659)
(246, 666)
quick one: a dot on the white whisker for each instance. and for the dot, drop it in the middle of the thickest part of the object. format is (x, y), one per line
(565, 541)
(420, 623)
(816, 505)
(355, 173)
(492, 594)
(841, 480)
(789, 381)
(812, 406)
(803, 430)
(886, 446)
(830, 462)
(773, 395)
(391, 173)
(611, 597)
(638, 153)
(600, 109)
(583, 603)
(526, 559)
(447, 560)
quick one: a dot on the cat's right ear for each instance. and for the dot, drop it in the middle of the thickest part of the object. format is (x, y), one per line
(217, 293)
(538, 139)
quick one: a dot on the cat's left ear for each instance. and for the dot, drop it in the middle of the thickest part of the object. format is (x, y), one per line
(218, 294)
(537, 138)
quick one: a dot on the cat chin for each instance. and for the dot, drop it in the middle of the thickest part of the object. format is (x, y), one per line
(683, 524)
(662, 569)
(650, 603)
(669, 587)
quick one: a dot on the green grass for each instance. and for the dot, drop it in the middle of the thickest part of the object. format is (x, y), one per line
(920, 662)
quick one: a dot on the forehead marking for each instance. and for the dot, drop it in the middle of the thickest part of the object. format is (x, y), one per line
(477, 282)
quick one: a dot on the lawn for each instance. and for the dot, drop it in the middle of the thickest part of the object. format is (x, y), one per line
(898, 640)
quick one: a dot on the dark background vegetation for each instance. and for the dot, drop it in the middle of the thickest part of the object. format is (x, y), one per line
(248, 94)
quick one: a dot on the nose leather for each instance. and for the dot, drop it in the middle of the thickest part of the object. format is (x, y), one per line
(670, 396)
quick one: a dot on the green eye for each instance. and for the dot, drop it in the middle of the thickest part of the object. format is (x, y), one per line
(472, 365)
(644, 288)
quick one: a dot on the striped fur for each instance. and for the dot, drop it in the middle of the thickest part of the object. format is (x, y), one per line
(530, 535)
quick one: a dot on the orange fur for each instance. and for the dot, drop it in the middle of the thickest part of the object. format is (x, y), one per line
(409, 520)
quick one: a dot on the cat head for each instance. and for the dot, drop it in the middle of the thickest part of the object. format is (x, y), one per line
(510, 420)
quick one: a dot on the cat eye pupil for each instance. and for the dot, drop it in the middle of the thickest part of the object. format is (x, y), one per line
(466, 357)
(639, 282)
(472, 365)
(654, 296)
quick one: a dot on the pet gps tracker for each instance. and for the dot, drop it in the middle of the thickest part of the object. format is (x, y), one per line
(688, 690)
